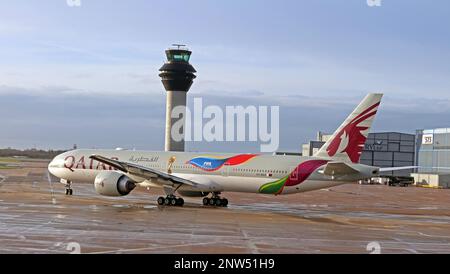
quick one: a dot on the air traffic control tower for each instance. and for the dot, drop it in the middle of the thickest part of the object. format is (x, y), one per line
(177, 76)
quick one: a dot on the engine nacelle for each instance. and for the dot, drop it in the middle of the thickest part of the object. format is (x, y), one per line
(196, 194)
(111, 183)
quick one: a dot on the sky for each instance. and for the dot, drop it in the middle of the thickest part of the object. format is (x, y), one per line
(88, 75)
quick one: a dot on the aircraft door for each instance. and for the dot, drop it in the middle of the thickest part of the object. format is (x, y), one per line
(225, 170)
(293, 173)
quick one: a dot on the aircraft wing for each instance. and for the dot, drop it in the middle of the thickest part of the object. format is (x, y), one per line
(339, 168)
(143, 172)
(384, 169)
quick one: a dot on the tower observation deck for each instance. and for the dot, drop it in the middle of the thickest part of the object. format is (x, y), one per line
(177, 76)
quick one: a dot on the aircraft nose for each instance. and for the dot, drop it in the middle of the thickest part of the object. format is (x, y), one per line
(51, 167)
(55, 165)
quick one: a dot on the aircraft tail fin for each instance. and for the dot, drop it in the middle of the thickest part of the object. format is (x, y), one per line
(347, 143)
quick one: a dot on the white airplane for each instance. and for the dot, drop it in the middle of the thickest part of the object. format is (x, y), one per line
(118, 172)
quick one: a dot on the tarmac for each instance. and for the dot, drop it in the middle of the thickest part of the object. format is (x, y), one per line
(36, 217)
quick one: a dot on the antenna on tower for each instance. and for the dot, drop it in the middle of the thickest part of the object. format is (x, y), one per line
(179, 46)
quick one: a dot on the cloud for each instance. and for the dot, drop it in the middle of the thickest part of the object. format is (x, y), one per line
(59, 116)
(419, 105)
(87, 120)
(41, 91)
(144, 78)
(90, 53)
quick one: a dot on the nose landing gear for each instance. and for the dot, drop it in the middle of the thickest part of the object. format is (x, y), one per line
(69, 190)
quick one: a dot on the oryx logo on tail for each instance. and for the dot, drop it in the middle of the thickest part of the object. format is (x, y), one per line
(352, 137)
(347, 143)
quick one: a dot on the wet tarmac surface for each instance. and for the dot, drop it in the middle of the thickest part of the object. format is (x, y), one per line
(344, 219)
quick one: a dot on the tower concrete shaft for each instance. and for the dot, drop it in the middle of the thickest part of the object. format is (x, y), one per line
(177, 76)
(175, 99)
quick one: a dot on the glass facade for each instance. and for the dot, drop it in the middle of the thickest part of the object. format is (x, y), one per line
(390, 149)
(433, 150)
(178, 56)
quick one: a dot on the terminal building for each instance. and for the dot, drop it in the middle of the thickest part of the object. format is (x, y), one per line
(433, 157)
(433, 150)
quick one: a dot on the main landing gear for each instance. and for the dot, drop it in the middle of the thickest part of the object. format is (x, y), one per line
(171, 200)
(215, 200)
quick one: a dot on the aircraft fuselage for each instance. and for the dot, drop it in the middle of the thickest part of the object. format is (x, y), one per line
(224, 172)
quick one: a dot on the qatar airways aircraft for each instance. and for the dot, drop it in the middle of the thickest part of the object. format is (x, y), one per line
(207, 175)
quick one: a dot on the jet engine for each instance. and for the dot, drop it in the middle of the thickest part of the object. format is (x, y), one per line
(111, 183)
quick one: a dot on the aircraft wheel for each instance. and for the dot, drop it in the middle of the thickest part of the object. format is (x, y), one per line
(160, 200)
(206, 201)
(224, 202)
(173, 201)
(218, 202)
(180, 201)
(167, 201)
(212, 201)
